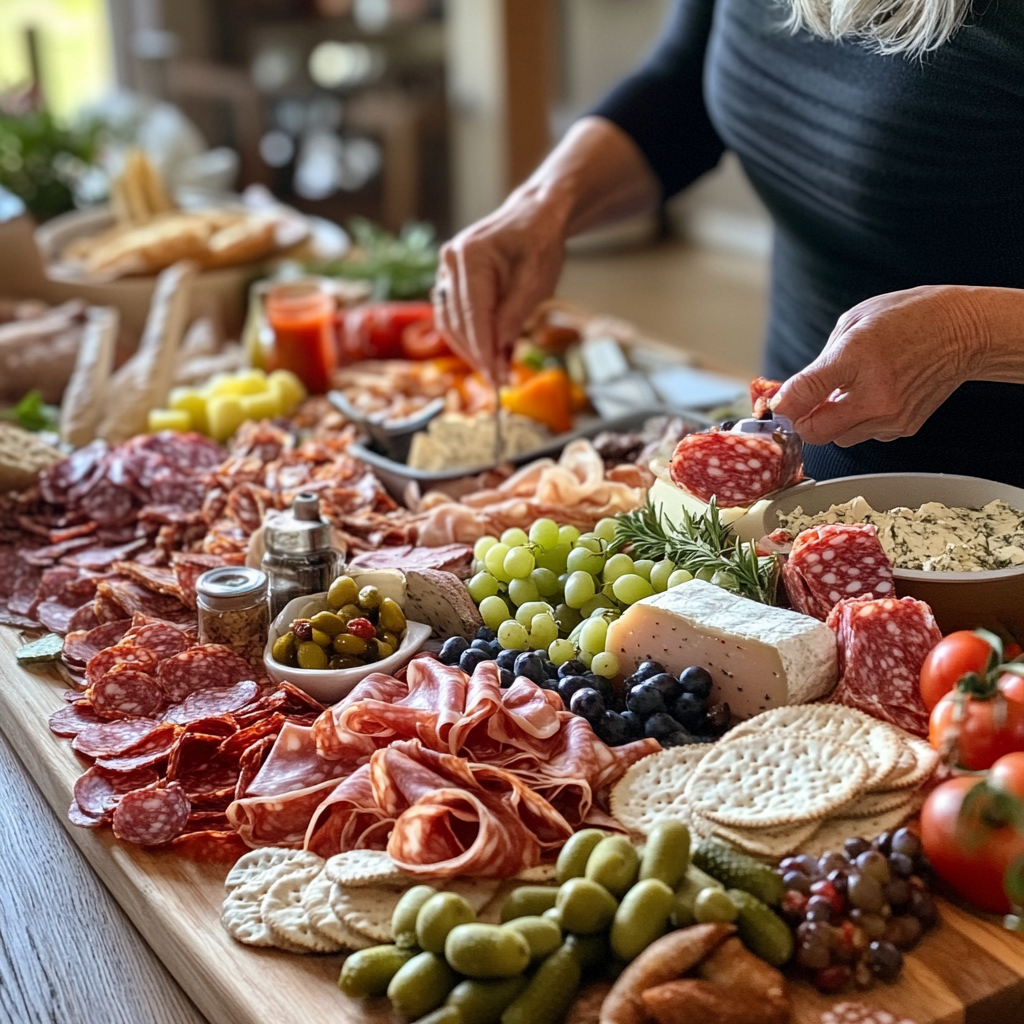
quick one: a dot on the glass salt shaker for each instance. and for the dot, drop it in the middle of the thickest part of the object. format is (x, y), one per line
(298, 559)
(233, 610)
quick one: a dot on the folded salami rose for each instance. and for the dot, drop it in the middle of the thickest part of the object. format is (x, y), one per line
(739, 463)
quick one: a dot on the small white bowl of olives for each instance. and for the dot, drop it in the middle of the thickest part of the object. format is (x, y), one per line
(327, 642)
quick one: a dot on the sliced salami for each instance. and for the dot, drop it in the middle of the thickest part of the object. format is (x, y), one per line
(78, 817)
(152, 817)
(124, 655)
(831, 563)
(881, 645)
(206, 667)
(762, 390)
(164, 639)
(71, 719)
(98, 792)
(126, 693)
(735, 469)
(212, 703)
(111, 739)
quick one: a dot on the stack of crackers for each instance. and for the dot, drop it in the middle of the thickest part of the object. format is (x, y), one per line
(800, 778)
(296, 901)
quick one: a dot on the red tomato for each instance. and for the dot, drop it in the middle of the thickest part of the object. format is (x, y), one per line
(989, 729)
(1011, 651)
(422, 340)
(374, 331)
(969, 853)
(952, 657)
(1007, 774)
(1011, 687)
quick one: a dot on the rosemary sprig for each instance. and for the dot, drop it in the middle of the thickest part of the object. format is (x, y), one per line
(700, 544)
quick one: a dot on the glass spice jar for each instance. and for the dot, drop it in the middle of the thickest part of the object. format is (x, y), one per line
(234, 611)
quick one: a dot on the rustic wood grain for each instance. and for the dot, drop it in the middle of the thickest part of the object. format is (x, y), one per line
(967, 971)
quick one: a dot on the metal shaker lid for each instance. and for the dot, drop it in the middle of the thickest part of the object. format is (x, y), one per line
(299, 531)
(231, 587)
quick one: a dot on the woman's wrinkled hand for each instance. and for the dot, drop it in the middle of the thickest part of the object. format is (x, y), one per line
(493, 275)
(890, 362)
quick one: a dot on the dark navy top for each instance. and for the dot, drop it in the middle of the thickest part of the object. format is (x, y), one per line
(881, 173)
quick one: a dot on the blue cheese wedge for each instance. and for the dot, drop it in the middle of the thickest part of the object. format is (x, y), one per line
(934, 537)
(759, 657)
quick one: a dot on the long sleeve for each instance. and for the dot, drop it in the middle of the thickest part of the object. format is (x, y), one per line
(661, 105)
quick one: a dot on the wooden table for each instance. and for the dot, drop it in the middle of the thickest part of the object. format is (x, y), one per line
(69, 953)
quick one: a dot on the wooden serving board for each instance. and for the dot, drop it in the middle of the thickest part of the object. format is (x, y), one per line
(967, 970)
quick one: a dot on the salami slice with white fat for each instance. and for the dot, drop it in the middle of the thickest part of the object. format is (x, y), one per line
(881, 645)
(125, 655)
(162, 638)
(98, 792)
(212, 703)
(206, 667)
(71, 719)
(828, 564)
(110, 739)
(152, 817)
(126, 693)
(735, 469)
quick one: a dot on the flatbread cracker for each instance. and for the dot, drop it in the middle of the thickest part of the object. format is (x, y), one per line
(831, 834)
(868, 805)
(284, 914)
(653, 787)
(269, 862)
(367, 909)
(316, 901)
(775, 779)
(242, 916)
(773, 843)
(916, 765)
(356, 868)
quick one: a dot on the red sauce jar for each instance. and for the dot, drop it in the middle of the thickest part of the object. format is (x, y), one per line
(301, 317)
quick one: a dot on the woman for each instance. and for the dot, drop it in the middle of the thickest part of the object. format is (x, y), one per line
(887, 141)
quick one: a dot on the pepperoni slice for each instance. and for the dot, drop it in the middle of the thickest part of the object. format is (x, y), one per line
(78, 817)
(152, 817)
(830, 563)
(126, 693)
(98, 792)
(735, 469)
(71, 719)
(761, 391)
(110, 739)
(121, 654)
(206, 667)
(220, 700)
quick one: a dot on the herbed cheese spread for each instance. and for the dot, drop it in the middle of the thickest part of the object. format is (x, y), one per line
(933, 537)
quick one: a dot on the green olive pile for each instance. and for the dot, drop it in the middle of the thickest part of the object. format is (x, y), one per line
(359, 627)
(611, 903)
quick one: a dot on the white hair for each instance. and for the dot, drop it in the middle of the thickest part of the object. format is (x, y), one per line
(911, 27)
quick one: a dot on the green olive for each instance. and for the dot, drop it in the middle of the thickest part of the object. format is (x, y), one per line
(403, 920)
(384, 650)
(370, 598)
(368, 972)
(344, 590)
(482, 1002)
(283, 650)
(320, 638)
(714, 905)
(592, 951)
(541, 933)
(328, 622)
(551, 991)
(349, 612)
(421, 984)
(390, 616)
(572, 860)
(528, 901)
(641, 918)
(372, 652)
(667, 853)
(387, 638)
(586, 906)
(486, 951)
(343, 661)
(614, 864)
(438, 916)
(311, 655)
(346, 643)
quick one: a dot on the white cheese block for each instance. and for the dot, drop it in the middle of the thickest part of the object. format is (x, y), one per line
(759, 657)
(669, 501)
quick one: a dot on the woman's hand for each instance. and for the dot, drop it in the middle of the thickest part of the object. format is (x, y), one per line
(496, 272)
(890, 362)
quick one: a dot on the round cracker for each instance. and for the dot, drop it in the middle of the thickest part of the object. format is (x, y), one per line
(316, 901)
(917, 763)
(653, 787)
(366, 909)
(242, 916)
(285, 915)
(868, 805)
(775, 779)
(268, 862)
(357, 868)
(477, 892)
(771, 843)
(831, 834)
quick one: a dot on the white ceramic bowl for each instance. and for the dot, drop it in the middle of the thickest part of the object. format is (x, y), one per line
(330, 685)
(960, 600)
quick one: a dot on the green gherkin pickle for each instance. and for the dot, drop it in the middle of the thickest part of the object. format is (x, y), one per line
(42, 651)
(763, 932)
(739, 871)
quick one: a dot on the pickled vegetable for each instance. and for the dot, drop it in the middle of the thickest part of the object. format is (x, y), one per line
(487, 951)
(614, 863)
(346, 643)
(667, 853)
(311, 655)
(328, 622)
(421, 984)
(542, 935)
(483, 1002)
(284, 649)
(403, 920)
(714, 905)
(572, 860)
(585, 906)
(344, 590)
(641, 918)
(438, 916)
(528, 901)
(390, 616)
(368, 972)
(550, 992)
(369, 598)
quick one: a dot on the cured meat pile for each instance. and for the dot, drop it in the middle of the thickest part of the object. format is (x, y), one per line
(738, 465)
(830, 563)
(882, 644)
(447, 772)
(173, 731)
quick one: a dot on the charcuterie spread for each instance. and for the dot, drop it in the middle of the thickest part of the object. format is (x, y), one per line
(529, 747)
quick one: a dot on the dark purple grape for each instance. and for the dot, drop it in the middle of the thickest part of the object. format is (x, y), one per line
(568, 685)
(883, 843)
(797, 880)
(832, 979)
(452, 649)
(814, 932)
(507, 659)
(840, 881)
(485, 633)
(471, 658)
(588, 704)
(603, 687)
(865, 893)
(573, 667)
(855, 846)
(788, 864)
(507, 677)
(922, 906)
(885, 960)
(900, 865)
(874, 864)
(667, 683)
(819, 908)
(906, 842)
(829, 862)
(808, 865)
(696, 680)
(531, 665)
(687, 711)
(635, 723)
(611, 728)
(660, 726)
(897, 893)
(645, 670)
(552, 669)
(482, 645)
(645, 700)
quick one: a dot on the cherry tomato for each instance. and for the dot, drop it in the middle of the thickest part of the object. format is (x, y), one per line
(1007, 774)
(989, 729)
(422, 340)
(374, 331)
(1011, 651)
(1011, 687)
(952, 657)
(969, 853)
